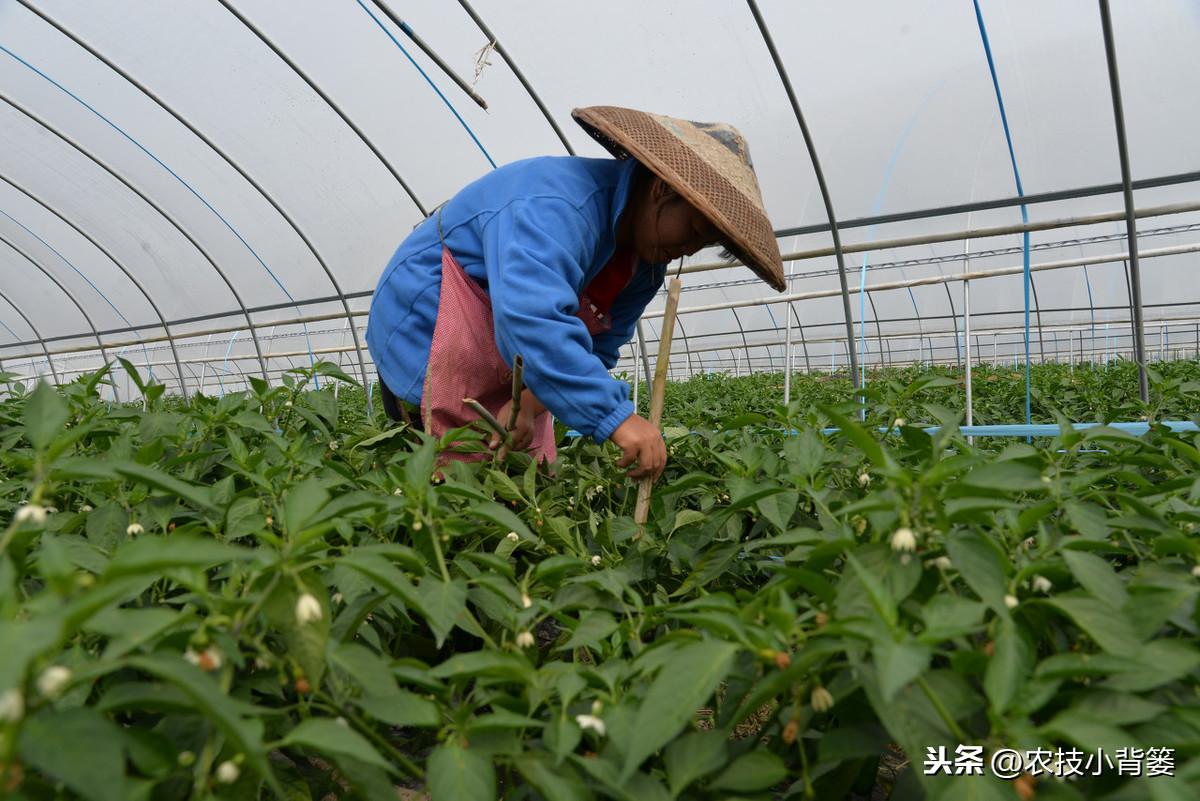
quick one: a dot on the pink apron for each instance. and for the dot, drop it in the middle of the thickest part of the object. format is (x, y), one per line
(465, 363)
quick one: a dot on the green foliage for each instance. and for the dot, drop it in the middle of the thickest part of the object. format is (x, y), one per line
(271, 594)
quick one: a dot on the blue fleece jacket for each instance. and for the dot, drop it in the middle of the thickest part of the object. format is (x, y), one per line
(533, 234)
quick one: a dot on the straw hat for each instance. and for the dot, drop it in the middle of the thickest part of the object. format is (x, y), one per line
(707, 163)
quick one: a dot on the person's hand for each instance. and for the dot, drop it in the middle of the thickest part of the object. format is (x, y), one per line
(642, 446)
(522, 430)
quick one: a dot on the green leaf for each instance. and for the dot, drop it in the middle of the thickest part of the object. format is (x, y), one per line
(302, 502)
(693, 755)
(898, 664)
(79, 747)
(555, 782)
(1008, 476)
(1111, 630)
(981, 566)
(1097, 577)
(333, 739)
(45, 415)
(593, 627)
(402, 708)
(149, 554)
(751, 772)
(685, 682)
(305, 641)
(1011, 662)
(687, 517)
(504, 518)
(496, 664)
(442, 603)
(877, 593)
(245, 734)
(1087, 732)
(459, 774)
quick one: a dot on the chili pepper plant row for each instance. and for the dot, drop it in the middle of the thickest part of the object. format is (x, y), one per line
(267, 595)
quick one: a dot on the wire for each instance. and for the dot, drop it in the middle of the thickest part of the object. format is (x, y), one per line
(1012, 157)
(429, 81)
(173, 174)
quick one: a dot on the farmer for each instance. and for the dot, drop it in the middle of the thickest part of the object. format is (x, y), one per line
(554, 259)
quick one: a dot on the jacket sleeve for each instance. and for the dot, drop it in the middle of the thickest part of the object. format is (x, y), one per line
(625, 312)
(535, 253)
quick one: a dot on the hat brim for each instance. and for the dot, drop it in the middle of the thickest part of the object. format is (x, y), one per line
(746, 230)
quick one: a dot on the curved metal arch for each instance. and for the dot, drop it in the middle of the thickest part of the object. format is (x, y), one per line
(328, 101)
(803, 342)
(37, 334)
(87, 318)
(121, 267)
(1135, 284)
(520, 76)
(820, 175)
(686, 347)
(220, 152)
(146, 199)
(745, 344)
(879, 331)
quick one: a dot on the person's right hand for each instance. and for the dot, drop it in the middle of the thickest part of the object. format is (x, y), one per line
(642, 446)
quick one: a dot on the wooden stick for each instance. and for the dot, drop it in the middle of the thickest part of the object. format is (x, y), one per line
(518, 385)
(490, 419)
(642, 510)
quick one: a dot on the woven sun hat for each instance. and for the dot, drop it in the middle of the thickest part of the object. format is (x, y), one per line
(708, 163)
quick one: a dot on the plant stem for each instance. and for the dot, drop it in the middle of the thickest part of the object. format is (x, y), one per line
(943, 713)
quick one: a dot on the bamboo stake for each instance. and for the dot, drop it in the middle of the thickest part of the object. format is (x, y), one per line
(642, 510)
(518, 385)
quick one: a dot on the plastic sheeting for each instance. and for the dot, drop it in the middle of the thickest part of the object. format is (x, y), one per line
(211, 184)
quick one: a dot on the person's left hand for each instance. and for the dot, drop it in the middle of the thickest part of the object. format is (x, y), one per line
(522, 430)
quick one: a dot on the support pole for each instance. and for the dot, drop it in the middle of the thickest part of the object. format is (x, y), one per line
(1135, 288)
(642, 510)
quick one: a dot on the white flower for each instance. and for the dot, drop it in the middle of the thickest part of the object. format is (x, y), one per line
(1196, 571)
(12, 706)
(397, 491)
(53, 681)
(287, 403)
(900, 422)
(87, 507)
(51, 510)
(822, 699)
(596, 560)
(227, 772)
(1028, 542)
(904, 540)
(133, 529)
(592, 492)
(512, 536)
(1042, 584)
(1046, 479)
(591, 722)
(941, 563)
(1011, 601)
(417, 525)
(207, 660)
(308, 609)
(525, 639)
(864, 479)
(31, 513)
(333, 445)
(337, 598)
(526, 601)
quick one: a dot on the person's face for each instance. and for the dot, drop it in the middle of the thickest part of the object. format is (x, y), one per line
(667, 227)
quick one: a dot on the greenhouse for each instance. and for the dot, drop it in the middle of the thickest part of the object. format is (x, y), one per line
(877, 481)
